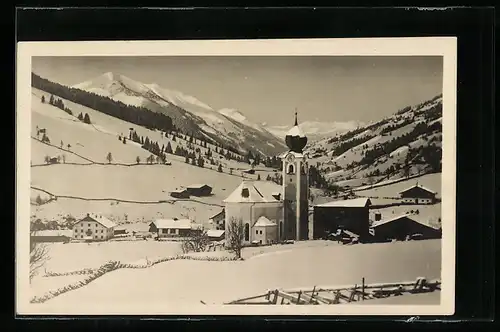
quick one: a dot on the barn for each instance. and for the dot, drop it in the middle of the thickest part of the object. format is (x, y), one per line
(403, 228)
(418, 194)
(199, 190)
(349, 214)
(63, 235)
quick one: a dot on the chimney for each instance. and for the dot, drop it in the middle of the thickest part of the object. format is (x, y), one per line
(378, 216)
(88, 214)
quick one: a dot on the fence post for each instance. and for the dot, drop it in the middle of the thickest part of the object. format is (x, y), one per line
(363, 288)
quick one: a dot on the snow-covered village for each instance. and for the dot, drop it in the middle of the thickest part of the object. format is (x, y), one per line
(142, 193)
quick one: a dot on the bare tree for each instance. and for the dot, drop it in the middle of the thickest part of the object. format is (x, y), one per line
(39, 255)
(64, 158)
(234, 235)
(46, 159)
(196, 241)
(138, 159)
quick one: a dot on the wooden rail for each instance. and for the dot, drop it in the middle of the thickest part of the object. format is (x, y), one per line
(342, 294)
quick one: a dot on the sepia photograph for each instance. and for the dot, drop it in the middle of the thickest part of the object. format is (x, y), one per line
(236, 177)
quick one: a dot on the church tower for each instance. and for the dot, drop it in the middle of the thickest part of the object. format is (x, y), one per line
(295, 186)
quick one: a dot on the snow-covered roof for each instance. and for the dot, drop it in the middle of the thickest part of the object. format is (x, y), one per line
(418, 186)
(295, 131)
(389, 220)
(254, 192)
(295, 154)
(197, 186)
(101, 220)
(218, 214)
(355, 202)
(215, 233)
(54, 232)
(264, 222)
(176, 224)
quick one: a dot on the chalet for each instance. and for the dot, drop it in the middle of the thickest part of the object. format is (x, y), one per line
(218, 219)
(403, 227)
(348, 214)
(63, 235)
(199, 190)
(179, 193)
(216, 234)
(418, 194)
(173, 227)
(94, 227)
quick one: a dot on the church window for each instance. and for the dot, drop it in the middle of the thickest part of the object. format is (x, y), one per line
(247, 232)
(291, 169)
(291, 179)
(245, 193)
(256, 232)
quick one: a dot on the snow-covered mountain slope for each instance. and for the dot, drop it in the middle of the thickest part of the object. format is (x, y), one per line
(316, 130)
(409, 141)
(187, 112)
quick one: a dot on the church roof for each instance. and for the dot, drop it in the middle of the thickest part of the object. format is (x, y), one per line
(254, 192)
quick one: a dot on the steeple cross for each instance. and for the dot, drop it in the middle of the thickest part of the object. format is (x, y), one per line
(296, 123)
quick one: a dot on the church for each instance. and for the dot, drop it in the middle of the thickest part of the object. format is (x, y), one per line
(271, 213)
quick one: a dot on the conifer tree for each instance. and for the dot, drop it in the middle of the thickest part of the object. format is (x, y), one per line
(168, 149)
(86, 118)
(43, 99)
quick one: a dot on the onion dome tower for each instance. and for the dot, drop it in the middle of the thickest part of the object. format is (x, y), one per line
(295, 138)
(295, 187)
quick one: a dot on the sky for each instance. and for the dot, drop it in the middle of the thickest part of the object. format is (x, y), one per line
(268, 89)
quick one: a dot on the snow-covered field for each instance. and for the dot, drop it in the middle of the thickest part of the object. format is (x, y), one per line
(140, 183)
(77, 256)
(187, 281)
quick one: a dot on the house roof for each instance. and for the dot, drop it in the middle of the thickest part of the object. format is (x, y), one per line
(179, 191)
(355, 202)
(393, 219)
(218, 214)
(264, 222)
(286, 153)
(215, 233)
(100, 219)
(54, 232)
(254, 192)
(198, 186)
(420, 187)
(176, 224)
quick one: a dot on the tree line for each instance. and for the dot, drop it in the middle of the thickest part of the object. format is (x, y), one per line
(138, 115)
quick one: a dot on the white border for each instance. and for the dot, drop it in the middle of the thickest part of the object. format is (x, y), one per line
(441, 46)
